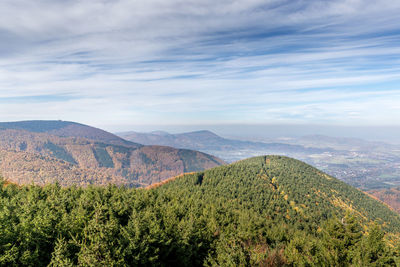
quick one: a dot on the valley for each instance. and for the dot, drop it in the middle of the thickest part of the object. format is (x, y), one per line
(364, 164)
(371, 166)
(83, 196)
(199, 133)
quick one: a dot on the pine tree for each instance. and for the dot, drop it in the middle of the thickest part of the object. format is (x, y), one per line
(60, 255)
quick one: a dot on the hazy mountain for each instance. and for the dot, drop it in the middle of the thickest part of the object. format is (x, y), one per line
(67, 152)
(364, 164)
(341, 143)
(67, 129)
(264, 211)
(361, 163)
(228, 149)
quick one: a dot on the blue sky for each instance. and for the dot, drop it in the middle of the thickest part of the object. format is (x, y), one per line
(115, 63)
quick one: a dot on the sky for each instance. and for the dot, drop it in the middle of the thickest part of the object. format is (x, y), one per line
(117, 64)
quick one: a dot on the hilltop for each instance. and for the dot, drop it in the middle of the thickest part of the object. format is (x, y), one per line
(71, 153)
(264, 211)
(368, 165)
(291, 187)
(67, 129)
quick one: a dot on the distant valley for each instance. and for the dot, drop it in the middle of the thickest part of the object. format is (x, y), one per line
(364, 164)
(43, 152)
(228, 149)
(371, 166)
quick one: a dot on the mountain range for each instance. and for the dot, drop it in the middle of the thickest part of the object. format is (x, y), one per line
(71, 153)
(364, 164)
(228, 149)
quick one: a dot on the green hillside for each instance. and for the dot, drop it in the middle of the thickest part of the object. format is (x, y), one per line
(288, 187)
(264, 211)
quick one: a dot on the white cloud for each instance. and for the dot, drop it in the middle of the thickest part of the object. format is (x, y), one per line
(141, 61)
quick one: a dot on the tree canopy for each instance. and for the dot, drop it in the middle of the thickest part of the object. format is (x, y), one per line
(265, 211)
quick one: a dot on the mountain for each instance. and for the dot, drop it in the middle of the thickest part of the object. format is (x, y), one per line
(194, 140)
(71, 153)
(228, 149)
(298, 187)
(368, 165)
(67, 129)
(264, 211)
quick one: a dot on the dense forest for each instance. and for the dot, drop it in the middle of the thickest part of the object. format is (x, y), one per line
(265, 211)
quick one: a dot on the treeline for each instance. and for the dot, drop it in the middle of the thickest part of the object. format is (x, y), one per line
(246, 214)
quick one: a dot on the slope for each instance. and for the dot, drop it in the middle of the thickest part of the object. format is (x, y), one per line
(390, 196)
(264, 211)
(26, 168)
(67, 129)
(77, 159)
(364, 164)
(286, 188)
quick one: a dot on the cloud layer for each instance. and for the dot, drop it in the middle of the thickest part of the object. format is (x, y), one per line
(135, 62)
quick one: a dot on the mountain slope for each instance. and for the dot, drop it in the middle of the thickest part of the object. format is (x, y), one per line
(390, 196)
(69, 156)
(264, 211)
(26, 168)
(67, 129)
(364, 164)
(289, 187)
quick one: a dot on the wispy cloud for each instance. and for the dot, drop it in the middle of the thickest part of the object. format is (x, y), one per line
(106, 62)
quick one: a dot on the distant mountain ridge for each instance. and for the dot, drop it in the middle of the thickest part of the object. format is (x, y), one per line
(73, 153)
(210, 142)
(67, 129)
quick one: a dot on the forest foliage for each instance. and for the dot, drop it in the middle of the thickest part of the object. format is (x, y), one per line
(390, 196)
(43, 157)
(265, 211)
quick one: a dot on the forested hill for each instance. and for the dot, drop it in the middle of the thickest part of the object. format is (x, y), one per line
(67, 129)
(70, 153)
(265, 211)
(287, 187)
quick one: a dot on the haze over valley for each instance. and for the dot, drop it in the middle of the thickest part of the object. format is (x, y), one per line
(365, 164)
(200, 133)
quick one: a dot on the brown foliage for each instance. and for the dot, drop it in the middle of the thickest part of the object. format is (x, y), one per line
(389, 196)
(40, 158)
